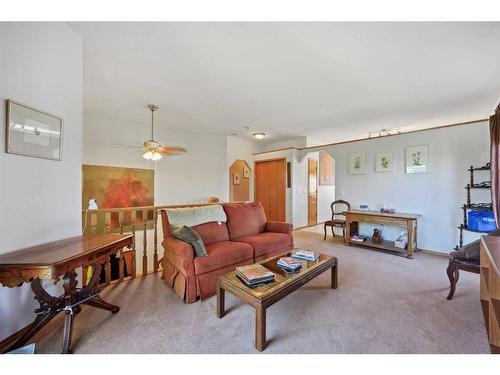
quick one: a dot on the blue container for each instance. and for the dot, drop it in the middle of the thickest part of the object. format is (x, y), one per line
(481, 221)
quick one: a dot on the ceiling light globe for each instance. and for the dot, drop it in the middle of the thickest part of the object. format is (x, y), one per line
(259, 135)
(156, 156)
(148, 155)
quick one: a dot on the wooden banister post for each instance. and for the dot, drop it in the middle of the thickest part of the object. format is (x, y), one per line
(107, 222)
(145, 243)
(155, 256)
(134, 270)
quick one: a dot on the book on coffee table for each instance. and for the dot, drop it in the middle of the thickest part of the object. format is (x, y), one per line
(305, 254)
(254, 274)
(289, 264)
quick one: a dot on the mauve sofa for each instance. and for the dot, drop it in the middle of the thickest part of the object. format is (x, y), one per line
(245, 238)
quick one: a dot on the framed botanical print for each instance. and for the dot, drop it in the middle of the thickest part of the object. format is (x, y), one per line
(357, 163)
(31, 132)
(236, 178)
(383, 162)
(246, 172)
(417, 159)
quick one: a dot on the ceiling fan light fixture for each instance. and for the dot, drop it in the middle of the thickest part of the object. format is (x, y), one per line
(153, 150)
(259, 135)
(156, 156)
(148, 155)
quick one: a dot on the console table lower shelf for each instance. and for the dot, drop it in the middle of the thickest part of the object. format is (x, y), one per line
(405, 221)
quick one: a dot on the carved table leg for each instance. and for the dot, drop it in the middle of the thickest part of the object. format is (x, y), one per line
(70, 303)
(40, 321)
(92, 290)
(69, 284)
(101, 304)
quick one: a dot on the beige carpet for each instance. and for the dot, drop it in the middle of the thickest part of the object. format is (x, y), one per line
(385, 303)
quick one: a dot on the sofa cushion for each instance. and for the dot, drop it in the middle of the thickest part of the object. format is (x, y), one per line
(190, 236)
(222, 254)
(245, 219)
(212, 232)
(268, 243)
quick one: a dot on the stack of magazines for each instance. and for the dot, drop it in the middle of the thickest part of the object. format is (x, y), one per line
(289, 264)
(358, 238)
(254, 274)
(306, 255)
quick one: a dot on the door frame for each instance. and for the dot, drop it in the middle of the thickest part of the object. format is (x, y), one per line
(284, 159)
(309, 191)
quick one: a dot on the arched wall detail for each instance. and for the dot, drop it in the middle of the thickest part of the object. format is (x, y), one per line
(239, 181)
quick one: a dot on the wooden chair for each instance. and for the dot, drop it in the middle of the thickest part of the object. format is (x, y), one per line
(464, 259)
(337, 223)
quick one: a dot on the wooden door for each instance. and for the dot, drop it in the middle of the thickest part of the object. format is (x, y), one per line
(312, 197)
(269, 187)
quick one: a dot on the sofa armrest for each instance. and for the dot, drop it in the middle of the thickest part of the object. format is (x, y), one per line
(279, 227)
(180, 254)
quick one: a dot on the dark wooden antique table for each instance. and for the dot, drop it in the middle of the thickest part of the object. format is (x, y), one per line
(266, 295)
(52, 261)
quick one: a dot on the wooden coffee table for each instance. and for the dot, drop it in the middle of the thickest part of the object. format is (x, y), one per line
(266, 295)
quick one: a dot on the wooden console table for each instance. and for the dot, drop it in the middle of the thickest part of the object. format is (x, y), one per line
(490, 288)
(52, 261)
(406, 221)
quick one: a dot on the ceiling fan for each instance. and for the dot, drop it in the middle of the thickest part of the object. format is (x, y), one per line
(153, 150)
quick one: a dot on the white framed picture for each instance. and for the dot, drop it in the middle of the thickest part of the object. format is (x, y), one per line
(31, 132)
(417, 159)
(357, 163)
(383, 162)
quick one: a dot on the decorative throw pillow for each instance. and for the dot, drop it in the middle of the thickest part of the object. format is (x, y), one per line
(190, 236)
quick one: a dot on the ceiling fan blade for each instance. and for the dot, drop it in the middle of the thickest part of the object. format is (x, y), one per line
(171, 150)
(116, 145)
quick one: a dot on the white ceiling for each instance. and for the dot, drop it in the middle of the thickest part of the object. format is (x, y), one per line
(330, 81)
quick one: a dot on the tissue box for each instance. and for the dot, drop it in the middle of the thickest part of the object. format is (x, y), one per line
(400, 243)
(481, 221)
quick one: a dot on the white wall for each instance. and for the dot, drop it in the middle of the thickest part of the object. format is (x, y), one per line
(242, 149)
(437, 194)
(192, 177)
(41, 66)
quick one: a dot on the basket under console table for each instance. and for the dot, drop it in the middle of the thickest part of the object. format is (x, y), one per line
(406, 221)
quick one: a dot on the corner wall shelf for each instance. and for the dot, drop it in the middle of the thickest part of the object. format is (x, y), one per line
(473, 206)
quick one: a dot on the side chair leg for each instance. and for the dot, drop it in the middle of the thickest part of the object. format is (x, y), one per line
(452, 272)
(324, 226)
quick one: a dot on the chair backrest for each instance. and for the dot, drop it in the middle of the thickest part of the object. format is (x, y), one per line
(345, 206)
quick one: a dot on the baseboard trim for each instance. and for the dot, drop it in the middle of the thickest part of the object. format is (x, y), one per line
(433, 252)
(308, 226)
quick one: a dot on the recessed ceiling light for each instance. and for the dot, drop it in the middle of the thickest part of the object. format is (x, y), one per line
(259, 135)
